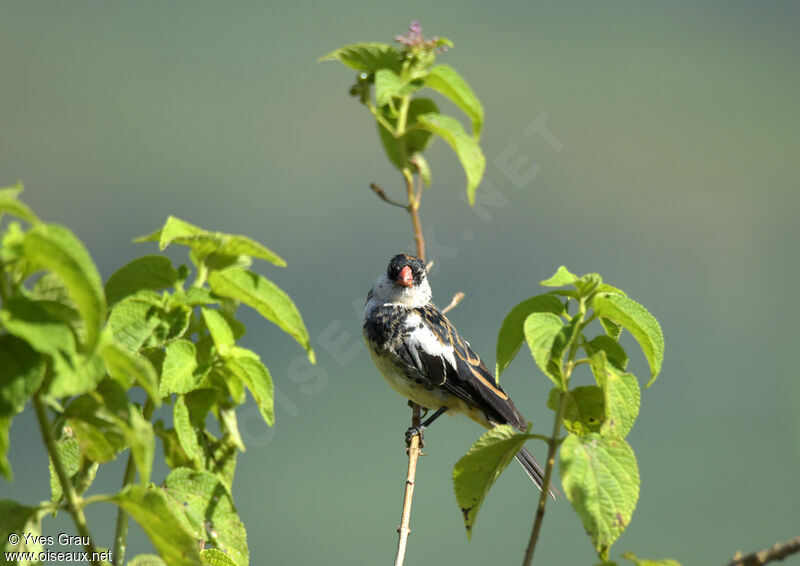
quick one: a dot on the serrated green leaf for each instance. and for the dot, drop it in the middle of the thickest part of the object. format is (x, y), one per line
(214, 557)
(614, 352)
(639, 322)
(600, 478)
(644, 562)
(150, 509)
(621, 394)
(446, 81)
(467, 149)
(178, 371)
(187, 436)
(128, 367)
(55, 248)
(146, 560)
(475, 473)
(134, 319)
(220, 330)
(613, 330)
(206, 511)
(11, 204)
(24, 521)
(195, 297)
(147, 272)
(221, 458)
(541, 329)
(584, 409)
(265, 297)
(561, 278)
(512, 335)
(367, 57)
(74, 375)
(258, 380)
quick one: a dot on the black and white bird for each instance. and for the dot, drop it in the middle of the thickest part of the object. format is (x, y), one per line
(422, 357)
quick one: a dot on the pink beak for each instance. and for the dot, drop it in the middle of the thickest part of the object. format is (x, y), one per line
(405, 278)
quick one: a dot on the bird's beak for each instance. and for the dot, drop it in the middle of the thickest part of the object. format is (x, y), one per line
(405, 278)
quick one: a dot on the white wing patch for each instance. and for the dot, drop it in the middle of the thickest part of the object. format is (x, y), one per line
(421, 337)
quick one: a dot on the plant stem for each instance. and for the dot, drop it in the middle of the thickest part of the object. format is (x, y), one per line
(74, 501)
(778, 551)
(405, 519)
(121, 530)
(552, 442)
(413, 210)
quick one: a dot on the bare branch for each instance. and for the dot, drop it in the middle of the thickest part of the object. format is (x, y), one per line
(379, 191)
(778, 551)
(457, 298)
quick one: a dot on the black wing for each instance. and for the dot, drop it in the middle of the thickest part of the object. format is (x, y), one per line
(463, 373)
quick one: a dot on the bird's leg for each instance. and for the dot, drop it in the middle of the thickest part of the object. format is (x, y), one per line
(414, 430)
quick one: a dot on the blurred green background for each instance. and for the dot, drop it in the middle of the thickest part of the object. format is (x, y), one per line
(677, 179)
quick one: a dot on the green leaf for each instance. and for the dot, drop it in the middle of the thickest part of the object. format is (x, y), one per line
(150, 509)
(475, 473)
(187, 436)
(9, 203)
(206, 511)
(32, 322)
(68, 451)
(55, 248)
(258, 380)
(388, 84)
(511, 335)
(639, 322)
(621, 394)
(142, 442)
(614, 352)
(367, 57)
(613, 330)
(195, 297)
(644, 562)
(146, 560)
(600, 478)
(128, 367)
(100, 425)
(178, 371)
(220, 331)
(147, 272)
(561, 278)
(266, 298)
(214, 557)
(134, 319)
(204, 242)
(446, 81)
(24, 521)
(467, 149)
(74, 375)
(541, 330)
(21, 373)
(584, 409)
(415, 140)
(422, 167)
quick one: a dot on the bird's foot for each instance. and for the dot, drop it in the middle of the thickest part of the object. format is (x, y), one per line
(414, 431)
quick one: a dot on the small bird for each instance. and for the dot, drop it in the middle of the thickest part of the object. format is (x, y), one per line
(422, 357)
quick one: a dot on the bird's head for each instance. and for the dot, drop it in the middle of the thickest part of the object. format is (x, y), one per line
(405, 282)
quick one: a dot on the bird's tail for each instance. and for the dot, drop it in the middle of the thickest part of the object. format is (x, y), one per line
(534, 470)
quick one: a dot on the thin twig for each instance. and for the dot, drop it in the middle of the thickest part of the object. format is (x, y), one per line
(457, 298)
(405, 519)
(74, 501)
(778, 551)
(548, 471)
(379, 191)
(414, 445)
